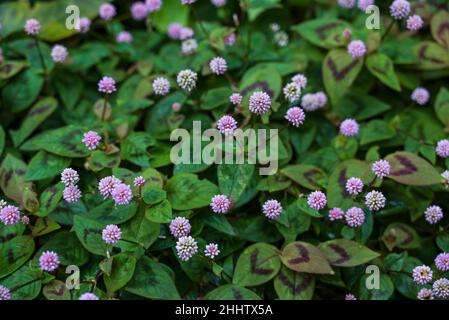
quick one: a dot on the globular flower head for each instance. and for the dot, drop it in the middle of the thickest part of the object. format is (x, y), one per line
(292, 91)
(230, 39)
(308, 102)
(111, 234)
(186, 33)
(220, 203)
(107, 11)
(187, 2)
(139, 11)
(349, 128)
(347, 33)
(180, 227)
(84, 25)
(335, 214)
(354, 186)
(400, 9)
(420, 96)
(3, 203)
(122, 194)
(317, 200)
(350, 296)
(124, 37)
(10, 215)
(189, 46)
(357, 49)
(69, 176)
(281, 38)
(300, 80)
(211, 250)
(346, 3)
(414, 23)
(363, 4)
(442, 148)
(272, 209)
(433, 214)
(425, 294)
(176, 106)
(440, 288)
(186, 79)
(236, 98)
(295, 116)
(32, 27)
(91, 139)
(161, 86)
(153, 5)
(71, 193)
(259, 102)
(355, 217)
(106, 185)
(49, 261)
(218, 3)
(381, 168)
(174, 30)
(320, 99)
(5, 294)
(218, 65)
(88, 296)
(442, 261)
(445, 176)
(275, 27)
(226, 125)
(139, 181)
(186, 248)
(59, 53)
(375, 200)
(422, 274)
(26, 220)
(106, 85)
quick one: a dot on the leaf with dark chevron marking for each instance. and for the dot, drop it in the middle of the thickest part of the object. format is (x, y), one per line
(305, 257)
(232, 292)
(346, 253)
(402, 236)
(291, 285)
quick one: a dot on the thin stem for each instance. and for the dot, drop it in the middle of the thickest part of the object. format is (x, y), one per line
(197, 18)
(388, 29)
(105, 105)
(420, 141)
(41, 57)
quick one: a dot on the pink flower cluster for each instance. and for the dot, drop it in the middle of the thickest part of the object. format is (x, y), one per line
(220, 203)
(71, 193)
(111, 234)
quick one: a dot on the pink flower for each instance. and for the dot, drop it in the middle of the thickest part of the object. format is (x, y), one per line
(211, 250)
(32, 27)
(91, 139)
(355, 217)
(218, 65)
(442, 261)
(218, 3)
(186, 79)
(49, 261)
(346, 3)
(88, 296)
(433, 214)
(236, 98)
(259, 102)
(153, 5)
(308, 102)
(186, 33)
(10, 215)
(111, 234)
(317, 200)
(295, 116)
(84, 25)
(364, 4)
(320, 99)
(186, 248)
(226, 125)
(180, 227)
(106, 185)
(26, 220)
(220, 203)
(174, 30)
(139, 181)
(425, 294)
(124, 37)
(69, 176)
(106, 85)
(420, 96)
(272, 209)
(122, 194)
(229, 40)
(347, 33)
(400, 9)
(349, 128)
(422, 274)
(71, 193)
(350, 296)
(161, 86)
(107, 11)
(59, 53)
(442, 148)
(139, 11)
(300, 80)
(176, 106)
(440, 288)
(375, 200)
(189, 46)
(5, 294)
(354, 186)
(414, 23)
(381, 168)
(335, 214)
(292, 91)
(356, 48)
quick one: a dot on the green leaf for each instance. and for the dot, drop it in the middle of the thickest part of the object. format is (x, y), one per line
(151, 280)
(27, 280)
(215, 97)
(233, 179)
(134, 148)
(154, 195)
(2, 140)
(50, 199)
(346, 253)
(140, 230)
(431, 56)
(257, 264)
(219, 222)
(231, 292)
(305, 257)
(89, 234)
(385, 291)
(376, 130)
(10, 68)
(382, 68)
(43, 226)
(99, 160)
(109, 213)
(442, 106)
(69, 87)
(360, 106)
(185, 191)
(400, 235)
(171, 11)
(407, 168)
(160, 213)
(443, 242)
(15, 253)
(323, 32)
(261, 77)
(56, 290)
(291, 285)
(307, 176)
(293, 221)
(44, 165)
(339, 72)
(123, 267)
(257, 7)
(22, 90)
(439, 28)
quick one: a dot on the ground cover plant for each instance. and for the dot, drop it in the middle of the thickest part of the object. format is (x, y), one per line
(93, 206)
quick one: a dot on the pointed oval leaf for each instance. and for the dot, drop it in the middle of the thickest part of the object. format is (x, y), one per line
(291, 285)
(308, 176)
(346, 253)
(305, 257)
(15, 253)
(232, 292)
(402, 236)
